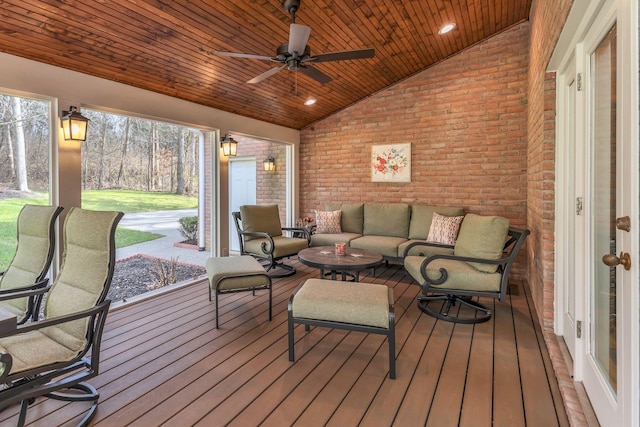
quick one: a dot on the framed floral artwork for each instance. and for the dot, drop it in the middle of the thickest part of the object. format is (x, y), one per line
(391, 163)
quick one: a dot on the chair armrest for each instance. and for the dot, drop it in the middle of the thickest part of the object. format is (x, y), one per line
(300, 230)
(254, 234)
(34, 326)
(429, 244)
(23, 291)
(267, 247)
(443, 271)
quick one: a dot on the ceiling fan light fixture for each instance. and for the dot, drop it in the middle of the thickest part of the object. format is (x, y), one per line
(446, 28)
(310, 101)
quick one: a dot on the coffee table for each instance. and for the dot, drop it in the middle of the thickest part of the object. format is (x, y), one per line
(348, 265)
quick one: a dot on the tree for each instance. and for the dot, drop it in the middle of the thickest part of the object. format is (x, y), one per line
(180, 163)
(21, 152)
(123, 157)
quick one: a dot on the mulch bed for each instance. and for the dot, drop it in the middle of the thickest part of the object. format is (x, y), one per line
(140, 273)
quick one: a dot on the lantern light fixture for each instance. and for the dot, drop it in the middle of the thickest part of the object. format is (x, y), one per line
(74, 125)
(269, 164)
(229, 146)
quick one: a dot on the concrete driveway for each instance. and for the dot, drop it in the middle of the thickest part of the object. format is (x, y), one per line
(165, 223)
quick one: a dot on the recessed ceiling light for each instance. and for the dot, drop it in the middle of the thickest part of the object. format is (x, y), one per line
(310, 101)
(446, 28)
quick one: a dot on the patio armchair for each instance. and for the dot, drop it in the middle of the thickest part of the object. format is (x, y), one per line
(478, 266)
(260, 234)
(48, 357)
(27, 271)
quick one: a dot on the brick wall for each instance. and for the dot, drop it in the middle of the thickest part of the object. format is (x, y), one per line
(466, 119)
(547, 18)
(270, 186)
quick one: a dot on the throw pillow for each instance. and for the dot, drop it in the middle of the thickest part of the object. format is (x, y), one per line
(444, 229)
(328, 222)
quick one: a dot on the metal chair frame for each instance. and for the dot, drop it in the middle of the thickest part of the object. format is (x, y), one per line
(432, 292)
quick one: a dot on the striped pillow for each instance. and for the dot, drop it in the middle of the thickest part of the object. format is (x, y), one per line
(444, 229)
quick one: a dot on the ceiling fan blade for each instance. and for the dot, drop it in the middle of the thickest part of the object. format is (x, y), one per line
(315, 74)
(266, 75)
(243, 55)
(298, 37)
(339, 56)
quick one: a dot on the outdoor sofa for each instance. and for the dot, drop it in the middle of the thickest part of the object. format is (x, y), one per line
(384, 228)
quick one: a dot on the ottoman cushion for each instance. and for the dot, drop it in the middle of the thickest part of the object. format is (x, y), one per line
(337, 301)
(237, 272)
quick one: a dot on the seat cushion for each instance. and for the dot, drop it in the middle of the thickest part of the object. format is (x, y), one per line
(461, 275)
(35, 349)
(384, 245)
(223, 271)
(261, 218)
(482, 237)
(332, 239)
(345, 302)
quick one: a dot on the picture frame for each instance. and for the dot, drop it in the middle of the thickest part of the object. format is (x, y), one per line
(391, 163)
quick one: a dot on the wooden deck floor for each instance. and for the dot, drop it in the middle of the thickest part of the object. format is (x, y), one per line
(164, 363)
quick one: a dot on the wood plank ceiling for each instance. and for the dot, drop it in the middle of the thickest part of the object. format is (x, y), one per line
(168, 46)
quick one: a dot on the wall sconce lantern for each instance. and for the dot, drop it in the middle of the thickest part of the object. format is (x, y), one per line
(269, 164)
(229, 146)
(74, 125)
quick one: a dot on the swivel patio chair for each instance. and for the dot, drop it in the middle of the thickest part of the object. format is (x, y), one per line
(260, 235)
(48, 357)
(30, 264)
(479, 267)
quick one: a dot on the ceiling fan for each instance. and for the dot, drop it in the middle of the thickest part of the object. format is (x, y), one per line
(295, 55)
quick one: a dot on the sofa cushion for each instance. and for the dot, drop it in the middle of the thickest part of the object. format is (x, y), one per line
(332, 239)
(482, 237)
(352, 216)
(384, 245)
(423, 250)
(386, 219)
(261, 218)
(328, 222)
(421, 216)
(444, 229)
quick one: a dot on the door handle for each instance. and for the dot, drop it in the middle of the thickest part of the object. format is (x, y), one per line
(611, 260)
(623, 223)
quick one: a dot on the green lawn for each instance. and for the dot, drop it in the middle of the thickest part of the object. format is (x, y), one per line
(129, 201)
(122, 200)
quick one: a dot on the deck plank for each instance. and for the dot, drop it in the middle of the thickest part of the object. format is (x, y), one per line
(449, 394)
(164, 363)
(477, 402)
(507, 393)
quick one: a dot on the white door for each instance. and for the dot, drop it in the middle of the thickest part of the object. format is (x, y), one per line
(568, 222)
(242, 191)
(607, 354)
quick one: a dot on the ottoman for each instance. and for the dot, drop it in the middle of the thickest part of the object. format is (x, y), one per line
(236, 274)
(362, 307)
